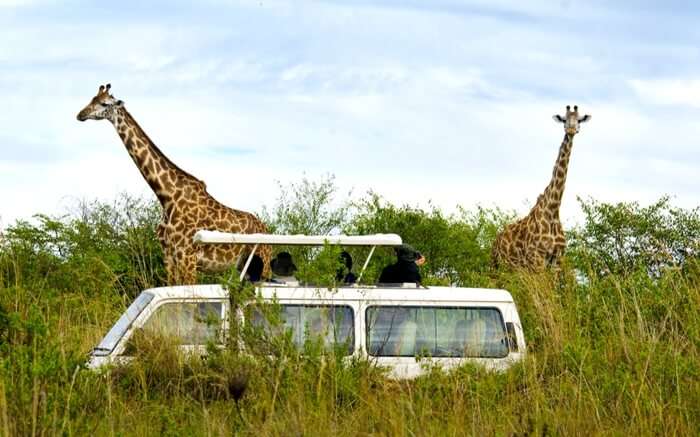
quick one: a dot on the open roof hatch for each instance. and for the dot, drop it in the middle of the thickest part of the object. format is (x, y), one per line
(217, 237)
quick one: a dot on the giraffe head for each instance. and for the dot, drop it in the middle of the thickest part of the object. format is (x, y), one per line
(571, 120)
(102, 106)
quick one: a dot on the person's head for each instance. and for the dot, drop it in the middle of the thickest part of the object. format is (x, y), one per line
(346, 259)
(407, 253)
(282, 265)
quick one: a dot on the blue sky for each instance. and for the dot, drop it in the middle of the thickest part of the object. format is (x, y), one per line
(448, 101)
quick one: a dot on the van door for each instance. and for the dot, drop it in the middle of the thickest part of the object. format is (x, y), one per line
(514, 330)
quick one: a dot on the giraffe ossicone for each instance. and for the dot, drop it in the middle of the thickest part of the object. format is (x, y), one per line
(187, 206)
(537, 240)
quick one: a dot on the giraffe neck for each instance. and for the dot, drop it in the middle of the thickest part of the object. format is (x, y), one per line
(165, 178)
(555, 190)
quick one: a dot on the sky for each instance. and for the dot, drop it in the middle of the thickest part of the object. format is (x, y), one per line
(440, 101)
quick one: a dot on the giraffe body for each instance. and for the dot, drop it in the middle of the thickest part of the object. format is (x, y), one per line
(187, 206)
(533, 242)
(537, 240)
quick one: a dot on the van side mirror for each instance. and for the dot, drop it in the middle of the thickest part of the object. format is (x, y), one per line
(511, 337)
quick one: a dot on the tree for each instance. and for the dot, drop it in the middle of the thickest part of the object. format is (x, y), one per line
(307, 207)
(456, 246)
(624, 237)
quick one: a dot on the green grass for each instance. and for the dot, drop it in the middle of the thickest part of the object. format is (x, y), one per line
(616, 354)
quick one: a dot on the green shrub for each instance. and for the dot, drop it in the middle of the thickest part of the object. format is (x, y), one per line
(624, 237)
(613, 338)
(101, 248)
(456, 247)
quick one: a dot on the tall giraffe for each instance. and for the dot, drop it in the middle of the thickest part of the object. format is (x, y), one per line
(187, 206)
(537, 240)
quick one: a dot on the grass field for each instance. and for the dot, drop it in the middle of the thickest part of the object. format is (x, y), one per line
(609, 352)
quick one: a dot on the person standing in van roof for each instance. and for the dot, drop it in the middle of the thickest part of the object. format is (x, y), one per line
(345, 274)
(255, 269)
(406, 267)
(283, 268)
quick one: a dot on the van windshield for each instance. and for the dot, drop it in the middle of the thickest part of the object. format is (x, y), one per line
(108, 343)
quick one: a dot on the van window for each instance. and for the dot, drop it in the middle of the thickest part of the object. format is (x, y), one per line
(193, 323)
(403, 331)
(334, 324)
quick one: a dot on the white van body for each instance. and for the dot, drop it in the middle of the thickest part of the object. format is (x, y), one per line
(389, 325)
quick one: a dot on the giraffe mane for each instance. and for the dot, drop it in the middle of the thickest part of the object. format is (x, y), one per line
(160, 152)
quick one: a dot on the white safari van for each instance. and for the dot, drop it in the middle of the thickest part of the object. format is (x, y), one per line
(400, 326)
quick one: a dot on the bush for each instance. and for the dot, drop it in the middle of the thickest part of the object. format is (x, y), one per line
(614, 351)
(624, 237)
(307, 207)
(456, 247)
(100, 248)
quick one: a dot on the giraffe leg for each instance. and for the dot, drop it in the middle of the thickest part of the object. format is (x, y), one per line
(168, 258)
(502, 251)
(265, 253)
(537, 261)
(189, 271)
(170, 268)
(185, 267)
(558, 244)
(555, 257)
(496, 253)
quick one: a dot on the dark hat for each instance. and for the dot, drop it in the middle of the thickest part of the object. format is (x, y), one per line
(282, 265)
(346, 259)
(406, 252)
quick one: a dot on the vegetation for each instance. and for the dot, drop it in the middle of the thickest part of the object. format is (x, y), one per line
(613, 338)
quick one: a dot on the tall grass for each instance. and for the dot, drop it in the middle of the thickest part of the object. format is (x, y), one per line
(614, 356)
(611, 354)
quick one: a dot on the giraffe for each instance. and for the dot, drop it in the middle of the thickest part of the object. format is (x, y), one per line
(187, 206)
(537, 240)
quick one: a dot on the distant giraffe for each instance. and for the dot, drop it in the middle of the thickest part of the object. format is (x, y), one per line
(187, 207)
(537, 240)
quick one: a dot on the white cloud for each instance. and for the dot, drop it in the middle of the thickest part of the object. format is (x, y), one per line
(414, 104)
(297, 72)
(16, 3)
(685, 92)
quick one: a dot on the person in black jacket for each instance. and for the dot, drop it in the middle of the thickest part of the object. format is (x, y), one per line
(255, 269)
(406, 267)
(345, 274)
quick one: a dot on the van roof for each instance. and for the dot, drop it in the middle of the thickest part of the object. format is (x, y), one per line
(282, 291)
(214, 237)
